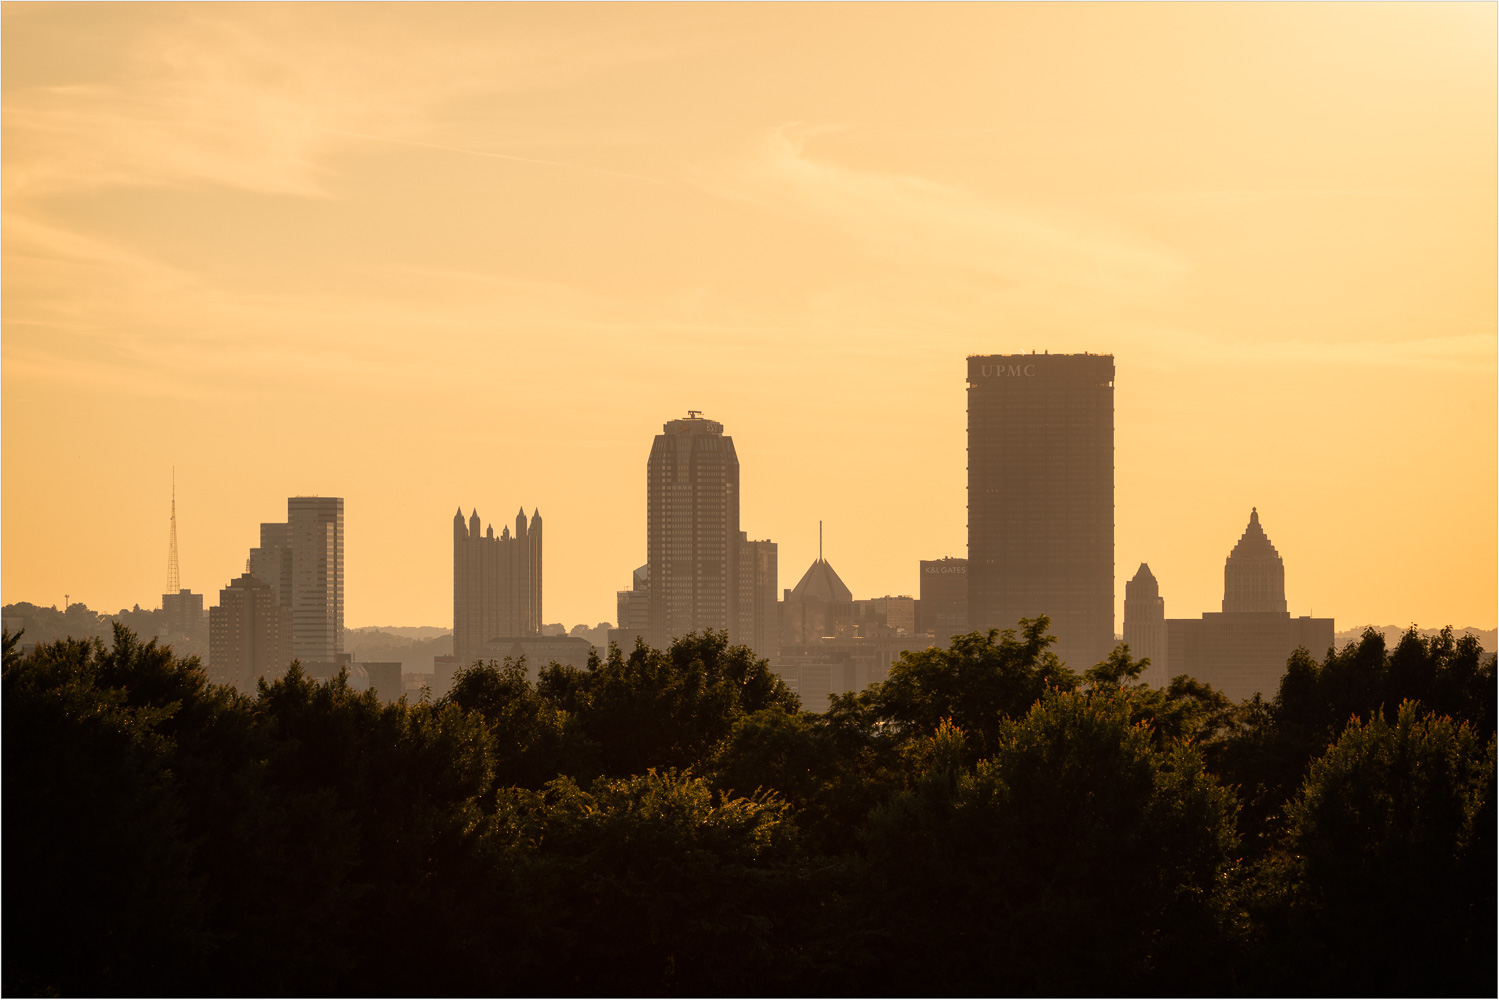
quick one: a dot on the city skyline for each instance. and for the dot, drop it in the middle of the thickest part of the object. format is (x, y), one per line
(224, 227)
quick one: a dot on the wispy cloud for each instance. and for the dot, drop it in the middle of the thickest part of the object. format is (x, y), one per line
(1460, 352)
(263, 99)
(922, 219)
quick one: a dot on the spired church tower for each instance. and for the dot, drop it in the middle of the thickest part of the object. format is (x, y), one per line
(496, 583)
(1254, 578)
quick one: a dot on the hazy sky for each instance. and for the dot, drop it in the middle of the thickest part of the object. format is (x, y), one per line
(431, 255)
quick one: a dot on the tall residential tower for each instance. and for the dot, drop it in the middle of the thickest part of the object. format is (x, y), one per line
(1041, 497)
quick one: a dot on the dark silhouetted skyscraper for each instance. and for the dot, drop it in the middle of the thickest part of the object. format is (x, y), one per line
(249, 634)
(692, 530)
(759, 617)
(1243, 649)
(1041, 497)
(944, 598)
(1145, 624)
(302, 561)
(1254, 577)
(496, 583)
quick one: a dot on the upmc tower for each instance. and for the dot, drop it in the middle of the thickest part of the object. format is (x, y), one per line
(1041, 497)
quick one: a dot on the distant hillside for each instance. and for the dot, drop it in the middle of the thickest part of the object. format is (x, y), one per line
(398, 645)
(1488, 638)
(405, 631)
(47, 624)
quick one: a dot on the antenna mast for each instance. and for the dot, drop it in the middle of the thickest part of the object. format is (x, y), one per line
(172, 582)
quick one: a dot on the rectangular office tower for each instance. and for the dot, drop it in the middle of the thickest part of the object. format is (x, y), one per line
(302, 561)
(1041, 497)
(692, 530)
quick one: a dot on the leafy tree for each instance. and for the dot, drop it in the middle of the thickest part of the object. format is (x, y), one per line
(1269, 750)
(979, 681)
(100, 894)
(832, 770)
(665, 708)
(663, 885)
(532, 739)
(1077, 822)
(1393, 832)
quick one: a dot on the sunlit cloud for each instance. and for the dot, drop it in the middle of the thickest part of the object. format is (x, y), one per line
(263, 101)
(943, 224)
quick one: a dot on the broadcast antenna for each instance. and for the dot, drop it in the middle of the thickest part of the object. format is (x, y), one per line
(172, 581)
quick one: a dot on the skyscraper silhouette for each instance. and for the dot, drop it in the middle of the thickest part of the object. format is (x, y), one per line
(1041, 497)
(496, 583)
(692, 529)
(249, 634)
(1243, 649)
(1254, 577)
(302, 561)
(1145, 624)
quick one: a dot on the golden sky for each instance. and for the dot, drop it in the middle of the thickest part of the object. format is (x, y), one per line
(430, 255)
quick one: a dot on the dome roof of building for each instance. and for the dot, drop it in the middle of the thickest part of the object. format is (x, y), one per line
(821, 583)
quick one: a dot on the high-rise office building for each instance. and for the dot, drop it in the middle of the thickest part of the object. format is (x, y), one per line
(1041, 497)
(759, 622)
(633, 608)
(818, 607)
(1145, 625)
(302, 561)
(944, 598)
(692, 530)
(249, 634)
(496, 583)
(1243, 649)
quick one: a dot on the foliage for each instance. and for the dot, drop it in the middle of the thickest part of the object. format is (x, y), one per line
(670, 822)
(979, 681)
(1078, 820)
(1394, 834)
(664, 708)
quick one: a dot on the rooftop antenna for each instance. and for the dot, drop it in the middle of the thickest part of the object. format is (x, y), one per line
(819, 541)
(173, 584)
(694, 414)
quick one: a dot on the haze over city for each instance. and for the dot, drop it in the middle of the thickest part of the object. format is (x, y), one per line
(477, 255)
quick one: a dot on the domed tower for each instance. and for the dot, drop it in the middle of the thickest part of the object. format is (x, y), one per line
(1254, 578)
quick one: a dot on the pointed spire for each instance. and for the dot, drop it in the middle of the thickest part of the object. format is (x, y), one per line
(173, 583)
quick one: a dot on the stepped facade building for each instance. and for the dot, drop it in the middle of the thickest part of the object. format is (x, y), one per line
(302, 561)
(496, 584)
(1242, 650)
(1145, 625)
(1041, 497)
